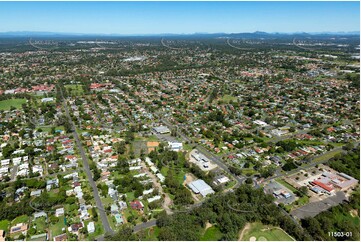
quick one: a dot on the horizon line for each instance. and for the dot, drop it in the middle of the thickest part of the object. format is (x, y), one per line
(193, 33)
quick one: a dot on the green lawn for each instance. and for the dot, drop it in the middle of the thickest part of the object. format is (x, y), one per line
(44, 128)
(303, 200)
(231, 184)
(164, 170)
(266, 232)
(74, 89)
(327, 156)
(337, 144)
(20, 219)
(56, 229)
(212, 234)
(310, 142)
(111, 220)
(4, 225)
(152, 138)
(98, 230)
(228, 98)
(248, 171)
(16, 102)
(152, 233)
(180, 177)
(41, 225)
(286, 184)
(130, 196)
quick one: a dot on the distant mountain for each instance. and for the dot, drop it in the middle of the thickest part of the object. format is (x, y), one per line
(257, 34)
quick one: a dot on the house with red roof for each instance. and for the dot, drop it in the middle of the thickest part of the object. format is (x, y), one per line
(137, 205)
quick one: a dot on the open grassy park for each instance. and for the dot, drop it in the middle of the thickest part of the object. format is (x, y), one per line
(260, 232)
(16, 103)
(74, 89)
(228, 98)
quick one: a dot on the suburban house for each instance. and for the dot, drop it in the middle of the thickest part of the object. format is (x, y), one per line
(21, 227)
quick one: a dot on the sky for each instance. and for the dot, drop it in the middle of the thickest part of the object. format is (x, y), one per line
(179, 17)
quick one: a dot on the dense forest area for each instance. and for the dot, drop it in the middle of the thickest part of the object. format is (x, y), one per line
(348, 163)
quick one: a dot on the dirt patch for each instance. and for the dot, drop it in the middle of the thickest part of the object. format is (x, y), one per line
(266, 229)
(189, 178)
(208, 225)
(354, 213)
(152, 144)
(244, 230)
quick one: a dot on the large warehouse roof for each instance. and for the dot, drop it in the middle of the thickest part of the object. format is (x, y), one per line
(199, 186)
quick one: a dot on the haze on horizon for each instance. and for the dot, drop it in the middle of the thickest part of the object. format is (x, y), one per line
(179, 17)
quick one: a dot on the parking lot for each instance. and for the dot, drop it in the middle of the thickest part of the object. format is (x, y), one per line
(314, 208)
(165, 137)
(205, 166)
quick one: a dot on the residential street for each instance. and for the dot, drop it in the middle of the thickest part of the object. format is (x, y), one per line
(88, 172)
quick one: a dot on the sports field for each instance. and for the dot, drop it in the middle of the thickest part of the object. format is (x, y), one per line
(16, 103)
(74, 89)
(259, 232)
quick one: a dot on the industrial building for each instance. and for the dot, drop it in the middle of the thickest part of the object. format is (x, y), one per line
(200, 187)
(161, 130)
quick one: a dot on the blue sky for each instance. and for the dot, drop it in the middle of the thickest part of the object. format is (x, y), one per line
(179, 17)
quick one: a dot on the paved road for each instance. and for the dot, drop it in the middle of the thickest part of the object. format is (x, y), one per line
(13, 173)
(89, 174)
(312, 164)
(104, 125)
(220, 163)
(208, 154)
(150, 223)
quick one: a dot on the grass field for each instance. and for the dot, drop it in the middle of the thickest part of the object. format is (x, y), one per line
(152, 234)
(228, 98)
(111, 220)
(41, 225)
(20, 219)
(302, 201)
(4, 225)
(130, 196)
(98, 230)
(74, 89)
(248, 171)
(212, 234)
(284, 183)
(16, 103)
(327, 156)
(266, 233)
(56, 229)
(310, 142)
(178, 173)
(44, 128)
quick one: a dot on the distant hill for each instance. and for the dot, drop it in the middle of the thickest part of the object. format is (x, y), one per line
(257, 34)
